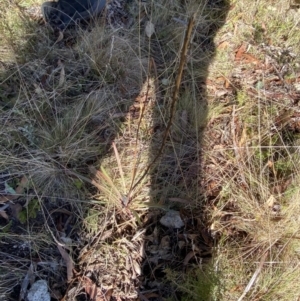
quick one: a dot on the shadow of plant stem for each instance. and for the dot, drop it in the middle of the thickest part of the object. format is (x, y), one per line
(174, 100)
(175, 167)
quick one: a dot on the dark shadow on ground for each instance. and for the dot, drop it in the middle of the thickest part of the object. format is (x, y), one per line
(178, 263)
(27, 85)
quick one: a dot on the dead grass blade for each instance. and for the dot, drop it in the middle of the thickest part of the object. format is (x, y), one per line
(103, 176)
(120, 166)
(92, 182)
(62, 76)
(29, 278)
(254, 277)
(240, 52)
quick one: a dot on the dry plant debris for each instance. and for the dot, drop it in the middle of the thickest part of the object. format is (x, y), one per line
(93, 161)
(84, 112)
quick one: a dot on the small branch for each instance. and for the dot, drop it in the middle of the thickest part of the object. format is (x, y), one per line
(254, 276)
(184, 50)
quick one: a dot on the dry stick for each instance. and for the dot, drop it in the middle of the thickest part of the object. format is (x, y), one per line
(254, 276)
(151, 65)
(174, 98)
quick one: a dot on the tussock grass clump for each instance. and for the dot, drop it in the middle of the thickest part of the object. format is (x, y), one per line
(115, 58)
(260, 238)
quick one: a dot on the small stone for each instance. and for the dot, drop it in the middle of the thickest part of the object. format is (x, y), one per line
(165, 81)
(39, 291)
(172, 219)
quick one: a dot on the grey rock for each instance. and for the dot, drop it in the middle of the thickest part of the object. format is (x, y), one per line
(172, 219)
(39, 292)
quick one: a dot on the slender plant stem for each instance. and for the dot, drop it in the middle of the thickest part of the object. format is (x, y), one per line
(175, 96)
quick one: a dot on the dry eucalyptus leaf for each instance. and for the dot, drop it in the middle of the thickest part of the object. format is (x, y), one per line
(271, 201)
(149, 30)
(127, 265)
(4, 215)
(29, 278)
(23, 184)
(90, 288)
(108, 294)
(19, 190)
(188, 257)
(69, 262)
(136, 267)
(60, 36)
